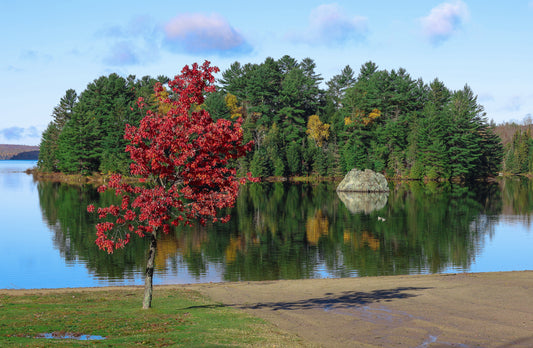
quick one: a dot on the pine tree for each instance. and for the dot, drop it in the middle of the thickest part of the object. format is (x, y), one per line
(294, 158)
(48, 154)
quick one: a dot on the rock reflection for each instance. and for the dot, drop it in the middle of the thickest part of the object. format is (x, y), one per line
(366, 202)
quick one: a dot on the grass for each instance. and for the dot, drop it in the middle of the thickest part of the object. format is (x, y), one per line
(179, 317)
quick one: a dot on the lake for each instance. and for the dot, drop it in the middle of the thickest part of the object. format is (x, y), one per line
(276, 231)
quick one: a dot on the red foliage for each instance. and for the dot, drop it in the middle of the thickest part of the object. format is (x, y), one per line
(182, 157)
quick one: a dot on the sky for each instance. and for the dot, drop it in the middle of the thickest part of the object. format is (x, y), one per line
(51, 46)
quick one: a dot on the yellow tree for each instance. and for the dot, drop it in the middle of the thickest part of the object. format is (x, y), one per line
(359, 117)
(233, 105)
(317, 130)
(161, 101)
(374, 114)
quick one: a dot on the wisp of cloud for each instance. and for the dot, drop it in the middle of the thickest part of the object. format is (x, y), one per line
(18, 133)
(329, 25)
(135, 43)
(444, 20)
(122, 53)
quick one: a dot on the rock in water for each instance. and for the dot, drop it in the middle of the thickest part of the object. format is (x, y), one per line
(363, 181)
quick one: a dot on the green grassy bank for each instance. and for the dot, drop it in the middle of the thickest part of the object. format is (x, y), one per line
(179, 317)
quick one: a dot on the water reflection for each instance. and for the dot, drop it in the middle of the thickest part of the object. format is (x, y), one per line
(294, 231)
(518, 198)
(64, 209)
(365, 202)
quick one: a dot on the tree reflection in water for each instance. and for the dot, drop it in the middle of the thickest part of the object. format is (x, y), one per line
(294, 231)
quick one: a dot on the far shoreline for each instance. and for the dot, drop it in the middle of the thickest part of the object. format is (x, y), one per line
(102, 178)
(23, 291)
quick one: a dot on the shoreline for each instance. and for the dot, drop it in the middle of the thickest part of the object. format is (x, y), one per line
(7, 291)
(101, 178)
(492, 309)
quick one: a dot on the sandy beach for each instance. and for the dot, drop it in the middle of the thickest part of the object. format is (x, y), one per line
(443, 310)
(448, 310)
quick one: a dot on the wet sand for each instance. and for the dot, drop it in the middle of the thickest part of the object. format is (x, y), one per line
(449, 310)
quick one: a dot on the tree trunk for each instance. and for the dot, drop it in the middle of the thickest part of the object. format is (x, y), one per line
(149, 275)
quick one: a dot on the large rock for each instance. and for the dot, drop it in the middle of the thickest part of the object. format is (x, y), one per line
(363, 181)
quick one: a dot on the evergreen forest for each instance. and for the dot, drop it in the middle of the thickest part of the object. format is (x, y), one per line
(301, 125)
(518, 155)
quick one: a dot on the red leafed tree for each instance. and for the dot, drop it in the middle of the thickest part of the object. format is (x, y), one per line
(182, 157)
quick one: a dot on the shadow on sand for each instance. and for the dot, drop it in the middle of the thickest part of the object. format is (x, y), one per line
(346, 299)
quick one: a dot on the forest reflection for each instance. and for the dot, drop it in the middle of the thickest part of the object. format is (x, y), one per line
(296, 231)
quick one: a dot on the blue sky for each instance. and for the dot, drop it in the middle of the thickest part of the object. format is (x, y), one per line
(51, 46)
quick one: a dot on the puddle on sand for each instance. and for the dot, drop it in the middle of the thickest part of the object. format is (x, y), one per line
(69, 336)
(432, 339)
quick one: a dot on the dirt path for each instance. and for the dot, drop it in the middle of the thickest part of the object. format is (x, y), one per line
(463, 310)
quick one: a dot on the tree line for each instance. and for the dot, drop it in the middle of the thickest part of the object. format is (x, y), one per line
(86, 133)
(382, 120)
(518, 146)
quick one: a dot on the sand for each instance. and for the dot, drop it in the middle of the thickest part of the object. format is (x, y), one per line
(448, 310)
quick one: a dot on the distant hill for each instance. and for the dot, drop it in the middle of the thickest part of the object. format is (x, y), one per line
(11, 152)
(506, 131)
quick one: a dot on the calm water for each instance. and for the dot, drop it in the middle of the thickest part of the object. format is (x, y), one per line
(277, 231)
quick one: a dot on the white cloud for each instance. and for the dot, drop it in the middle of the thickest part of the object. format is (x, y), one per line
(197, 33)
(444, 20)
(330, 25)
(141, 40)
(12, 133)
